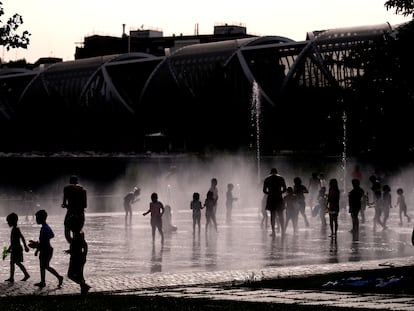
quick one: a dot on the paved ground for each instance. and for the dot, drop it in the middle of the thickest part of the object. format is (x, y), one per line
(123, 260)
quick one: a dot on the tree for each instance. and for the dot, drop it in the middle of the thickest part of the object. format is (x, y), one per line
(9, 37)
(403, 7)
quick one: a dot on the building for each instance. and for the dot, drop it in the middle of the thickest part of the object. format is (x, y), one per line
(153, 42)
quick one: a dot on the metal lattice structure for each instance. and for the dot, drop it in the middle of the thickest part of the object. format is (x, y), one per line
(198, 97)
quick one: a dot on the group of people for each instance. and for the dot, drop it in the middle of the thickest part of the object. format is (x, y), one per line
(287, 203)
(161, 215)
(75, 202)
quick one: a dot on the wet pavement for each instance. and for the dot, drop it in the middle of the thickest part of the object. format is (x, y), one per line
(122, 259)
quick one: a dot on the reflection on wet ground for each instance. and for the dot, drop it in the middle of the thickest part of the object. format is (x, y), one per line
(116, 249)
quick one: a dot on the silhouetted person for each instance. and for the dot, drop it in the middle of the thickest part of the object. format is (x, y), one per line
(15, 248)
(156, 208)
(209, 204)
(78, 251)
(402, 206)
(355, 198)
(299, 191)
(129, 199)
(386, 204)
(44, 249)
(263, 212)
(30, 203)
(167, 220)
(376, 200)
(229, 201)
(333, 206)
(313, 188)
(274, 186)
(292, 209)
(214, 190)
(196, 206)
(75, 202)
(322, 205)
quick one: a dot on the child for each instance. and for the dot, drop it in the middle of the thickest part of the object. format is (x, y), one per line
(156, 209)
(299, 191)
(386, 204)
(44, 249)
(403, 206)
(16, 248)
(355, 199)
(78, 251)
(229, 201)
(196, 206)
(263, 211)
(333, 206)
(209, 204)
(292, 209)
(167, 220)
(214, 190)
(322, 202)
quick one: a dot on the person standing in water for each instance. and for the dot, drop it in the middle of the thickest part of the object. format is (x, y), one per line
(75, 202)
(299, 191)
(214, 190)
(210, 214)
(355, 198)
(402, 205)
(16, 248)
(196, 207)
(130, 198)
(229, 202)
(156, 209)
(333, 206)
(274, 186)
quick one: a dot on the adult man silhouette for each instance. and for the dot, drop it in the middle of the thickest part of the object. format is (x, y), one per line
(274, 186)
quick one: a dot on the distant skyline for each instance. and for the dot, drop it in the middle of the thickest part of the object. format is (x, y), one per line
(57, 27)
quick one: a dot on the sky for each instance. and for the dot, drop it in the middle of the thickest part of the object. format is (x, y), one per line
(57, 26)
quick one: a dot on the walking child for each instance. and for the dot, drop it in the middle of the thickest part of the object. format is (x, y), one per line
(44, 249)
(402, 205)
(78, 252)
(15, 248)
(156, 208)
(196, 206)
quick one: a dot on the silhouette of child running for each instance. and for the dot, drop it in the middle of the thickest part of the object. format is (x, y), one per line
(156, 209)
(15, 248)
(44, 249)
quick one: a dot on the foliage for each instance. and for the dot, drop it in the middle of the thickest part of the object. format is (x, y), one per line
(403, 7)
(9, 37)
